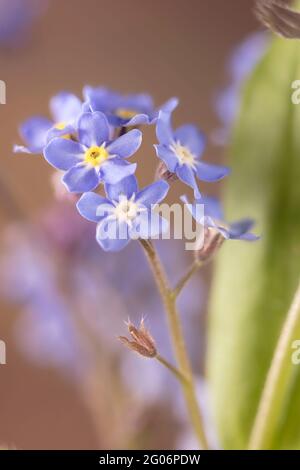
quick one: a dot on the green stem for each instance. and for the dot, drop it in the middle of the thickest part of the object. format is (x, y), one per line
(169, 301)
(276, 382)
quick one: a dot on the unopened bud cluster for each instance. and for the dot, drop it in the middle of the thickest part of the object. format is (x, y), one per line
(141, 341)
(213, 240)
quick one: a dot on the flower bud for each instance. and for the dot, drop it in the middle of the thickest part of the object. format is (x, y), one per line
(162, 173)
(212, 242)
(142, 342)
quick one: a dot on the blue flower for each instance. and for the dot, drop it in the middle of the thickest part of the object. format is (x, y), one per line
(125, 213)
(181, 150)
(214, 218)
(38, 130)
(17, 18)
(125, 111)
(243, 61)
(94, 158)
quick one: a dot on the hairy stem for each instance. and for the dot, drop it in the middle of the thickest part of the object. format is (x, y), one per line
(171, 368)
(276, 382)
(185, 279)
(169, 301)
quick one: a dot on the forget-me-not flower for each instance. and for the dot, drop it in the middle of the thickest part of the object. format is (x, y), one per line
(214, 218)
(126, 213)
(94, 157)
(181, 151)
(125, 110)
(37, 131)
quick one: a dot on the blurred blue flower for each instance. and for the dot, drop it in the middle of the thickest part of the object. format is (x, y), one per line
(32, 266)
(247, 54)
(28, 278)
(46, 333)
(125, 110)
(125, 214)
(38, 130)
(243, 61)
(70, 291)
(214, 218)
(181, 150)
(16, 19)
(95, 158)
(19, 256)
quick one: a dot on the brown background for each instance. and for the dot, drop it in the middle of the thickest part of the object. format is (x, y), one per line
(166, 47)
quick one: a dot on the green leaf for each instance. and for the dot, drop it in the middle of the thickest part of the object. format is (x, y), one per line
(255, 283)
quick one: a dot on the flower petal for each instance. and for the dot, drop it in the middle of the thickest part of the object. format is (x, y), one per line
(115, 169)
(148, 225)
(86, 107)
(169, 106)
(241, 230)
(164, 131)
(127, 186)
(186, 175)
(249, 237)
(101, 99)
(65, 107)
(167, 156)
(21, 149)
(153, 194)
(34, 133)
(81, 178)
(212, 207)
(126, 145)
(88, 206)
(196, 209)
(211, 173)
(63, 154)
(141, 103)
(242, 226)
(93, 129)
(137, 120)
(54, 132)
(111, 235)
(189, 136)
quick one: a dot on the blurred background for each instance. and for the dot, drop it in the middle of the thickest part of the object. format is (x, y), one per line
(68, 382)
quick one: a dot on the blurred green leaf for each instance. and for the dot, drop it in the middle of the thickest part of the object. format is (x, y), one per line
(255, 283)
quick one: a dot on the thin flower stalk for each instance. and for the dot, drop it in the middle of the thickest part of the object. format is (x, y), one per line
(179, 347)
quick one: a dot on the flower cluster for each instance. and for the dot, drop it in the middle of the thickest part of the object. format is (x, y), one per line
(90, 142)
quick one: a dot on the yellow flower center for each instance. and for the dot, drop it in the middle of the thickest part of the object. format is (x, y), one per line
(183, 154)
(95, 155)
(125, 113)
(60, 126)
